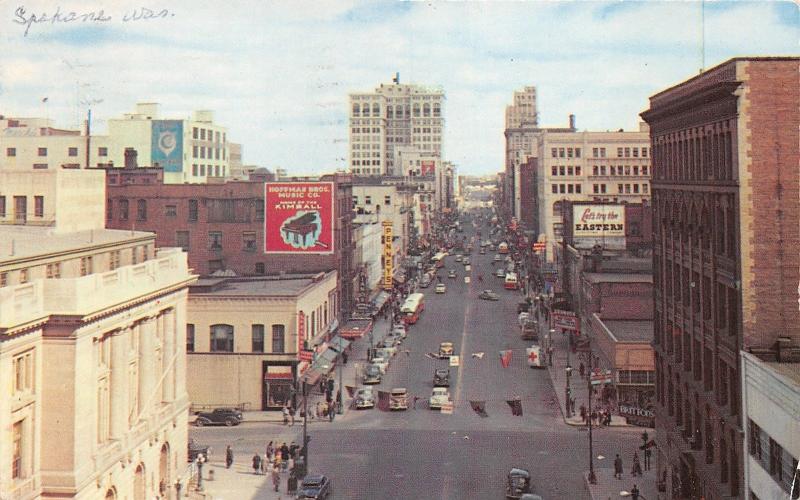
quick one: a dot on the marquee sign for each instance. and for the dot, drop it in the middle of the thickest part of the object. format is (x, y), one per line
(567, 320)
(388, 265)
(598, 220)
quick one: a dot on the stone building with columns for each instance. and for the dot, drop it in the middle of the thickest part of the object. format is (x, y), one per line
(92, 346)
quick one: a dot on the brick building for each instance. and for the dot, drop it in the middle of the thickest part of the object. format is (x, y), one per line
(221, 226)
(528, 201)
(726, 266)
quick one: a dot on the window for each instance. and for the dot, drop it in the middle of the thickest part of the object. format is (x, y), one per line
(23, 276)
(53, 271)
(278, 333)
(123, 209)
(635, 170)
(561, 188)
(553, 170)
(3, 279)
(215, 240)
(194, 169)
(570, 188)
(570, 170)
(554, 152)
(17, 471)
(182, 239)
(627, 152)
(619, 152)
(258, 338)
(644, 170)
(102, 151)
(368, 200)
(221, 338)
(86, 265)
(577, 152)
(387, 200)
(775, 456)
(555, 188)
(644, 152)
(636, 189)
(578, 188)
(577, 170)
(561, 152)
(42, 152)
(24, 382)
(72, 151)
(11, 151)
(171, 210)
(602, 152)
(192, 210)
(103, 410)
(2, 206)
(38, 206)
(194, 132)
(595, 170)
(249, 241)
(190, 335)
(202, 134)
(114, 259)
(260, 268)
(569, 152)
(141, 210)
(595, 152)
(259, 210)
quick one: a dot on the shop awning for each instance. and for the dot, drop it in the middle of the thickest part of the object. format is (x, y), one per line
(325, 361)
(381, 299)
(339, 344)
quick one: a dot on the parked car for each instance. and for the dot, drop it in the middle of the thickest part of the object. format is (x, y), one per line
(500, 273)
(426, 281)
(518, 482)
(387, 345)
(488, 295)
(439, 397)
(372, 375)
(441, 288)
(483, 251)
(400, 330)
(451, 273)
(315, 486)
(496, 258)
(219, 416)
(459, 258)
(381, 363)
(523, 316)
(445, 349)
(441, 377)
(466, 261)
(523, 307)
(196, 449)
(396, 338)
(365, 398)
(382, 352)
(398, 399)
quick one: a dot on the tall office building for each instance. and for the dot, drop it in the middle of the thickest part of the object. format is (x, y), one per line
(726, 205)
(521, 127)
(394, 116)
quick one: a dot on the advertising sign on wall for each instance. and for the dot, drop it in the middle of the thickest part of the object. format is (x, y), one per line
(388, 265)
(598, 220)
(298, 217)
(301, 331)
(567, 320)
(427, 167)
(167, 145)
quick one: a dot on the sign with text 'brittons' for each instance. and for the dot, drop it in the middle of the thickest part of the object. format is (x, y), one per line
(166, 147)
(388, 265)
(298, 217)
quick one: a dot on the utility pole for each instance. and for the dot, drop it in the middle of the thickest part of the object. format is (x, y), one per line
(592, 477)
(305, 428)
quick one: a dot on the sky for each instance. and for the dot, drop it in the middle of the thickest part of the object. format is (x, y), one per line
(278, 74)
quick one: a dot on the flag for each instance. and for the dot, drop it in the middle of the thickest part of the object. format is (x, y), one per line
(383, 400)
(478, 355)
(45, 99)
(505, 358)
(516, 406)
(432, 355)
(351, 391)
(479, 407)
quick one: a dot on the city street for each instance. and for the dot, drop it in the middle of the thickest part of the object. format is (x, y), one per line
(423, 453)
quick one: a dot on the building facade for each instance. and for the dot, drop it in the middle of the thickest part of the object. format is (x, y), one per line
(92, 326)
(396, 115)
(252, 330)
(726, 201)
(521, 122)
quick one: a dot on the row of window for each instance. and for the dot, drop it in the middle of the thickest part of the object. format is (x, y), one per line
(208, 152)
(42, 152)
(218, 210)
(213, 170)
(565, 170)
(357, 163)
(620, 170)
(21, 208)
(774, 459)
(387, 200)
(208, 135)
(366, 171)
(399, 111)
(221, 338)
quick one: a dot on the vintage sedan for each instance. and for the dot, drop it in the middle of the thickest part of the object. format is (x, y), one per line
(518, 483)
(488, 295)
(445, 350)
(365, 398)
(439, 396)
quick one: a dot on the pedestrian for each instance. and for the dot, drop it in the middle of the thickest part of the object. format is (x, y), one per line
(594, 417)
(293, 449)
(256, 464)
(583, 413)
(647, 453)
(581, 369)
(344, 358)
(635, 493)
(319, 409)
(228, 457)
(270, 450)
(285, 412)
(550, 355)
(276, 478)
(637, 467)
(278, 459)
(291, 415)
(618, 467)
(331, 411)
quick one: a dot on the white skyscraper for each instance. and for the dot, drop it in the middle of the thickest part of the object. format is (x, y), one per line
(394, 115)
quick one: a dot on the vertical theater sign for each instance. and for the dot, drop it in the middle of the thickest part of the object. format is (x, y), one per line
(388, 265)
(298, 217)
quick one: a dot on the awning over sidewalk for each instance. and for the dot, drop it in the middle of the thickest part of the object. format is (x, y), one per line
(325, 361)
(339, 344)
(381, 299)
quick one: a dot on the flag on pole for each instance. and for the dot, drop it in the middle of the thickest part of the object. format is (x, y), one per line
(505, 358)
(479, 407)
(516, 406)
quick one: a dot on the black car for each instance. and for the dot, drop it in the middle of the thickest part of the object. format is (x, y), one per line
(441, 377)
(518, 482)
(196, 449)
(315, 486)
(488, 295)
(220, 416)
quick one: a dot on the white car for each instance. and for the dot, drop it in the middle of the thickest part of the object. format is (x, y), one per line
(439, 396)
(441, 288)
(400, 331)
(388, 346)
(523, 316)
(381, 363)
(365, 398)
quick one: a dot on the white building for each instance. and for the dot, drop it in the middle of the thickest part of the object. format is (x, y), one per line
(92, 346)
(368, 234)
(771, 421)
(589, 166)
(379, 202)
(394, 115)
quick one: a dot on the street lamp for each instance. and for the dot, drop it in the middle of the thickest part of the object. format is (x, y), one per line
(305, 430)
(592, 476)
(340, 396)
(201, 459)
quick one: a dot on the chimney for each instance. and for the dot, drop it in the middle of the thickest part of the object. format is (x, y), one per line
(130, 158)
(572, 122)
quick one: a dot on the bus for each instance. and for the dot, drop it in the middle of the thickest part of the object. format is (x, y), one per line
(502, 248)
(412, 308)
(511, 282)
(438, 259)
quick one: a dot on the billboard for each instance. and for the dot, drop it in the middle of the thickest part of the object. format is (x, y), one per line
(598, 221)
(298, 217)
(388, 265)
(166, 147)
(427, 167)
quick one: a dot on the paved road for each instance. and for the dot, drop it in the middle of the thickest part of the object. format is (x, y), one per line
(426, 454)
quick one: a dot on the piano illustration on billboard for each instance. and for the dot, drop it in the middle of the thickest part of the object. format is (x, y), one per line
(302, 230)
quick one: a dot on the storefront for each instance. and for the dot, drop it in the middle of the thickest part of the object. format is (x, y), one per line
(278, 385)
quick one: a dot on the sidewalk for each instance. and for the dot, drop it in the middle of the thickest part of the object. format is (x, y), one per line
(578, 385)
(609, 488)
